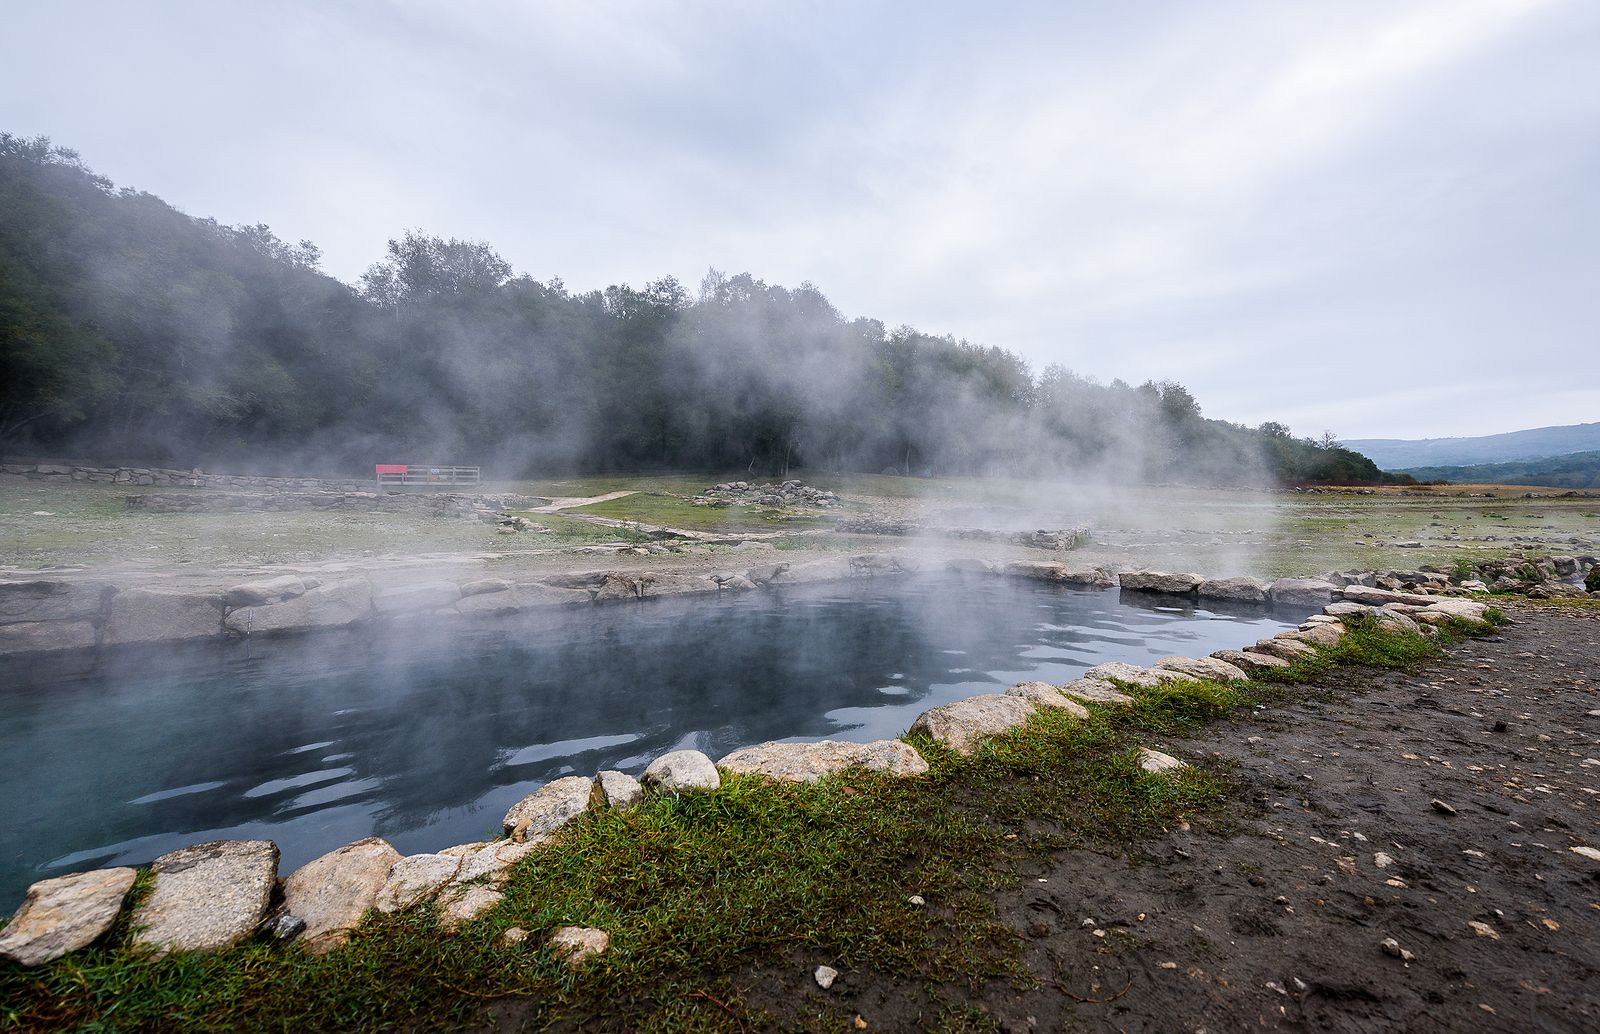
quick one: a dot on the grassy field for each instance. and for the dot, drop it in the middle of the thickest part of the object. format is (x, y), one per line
(1211, 531)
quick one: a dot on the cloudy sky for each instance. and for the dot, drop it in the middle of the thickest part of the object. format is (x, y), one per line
(1379, 218)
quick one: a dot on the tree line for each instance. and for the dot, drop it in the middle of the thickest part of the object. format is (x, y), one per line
(131, 332)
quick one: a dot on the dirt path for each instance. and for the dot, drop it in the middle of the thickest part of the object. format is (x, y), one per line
(1274, 917)
(569, 502)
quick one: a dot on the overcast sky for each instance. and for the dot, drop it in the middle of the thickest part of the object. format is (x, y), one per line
(1381, 219)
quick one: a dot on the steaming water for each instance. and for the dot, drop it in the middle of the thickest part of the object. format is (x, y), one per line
(427, 738)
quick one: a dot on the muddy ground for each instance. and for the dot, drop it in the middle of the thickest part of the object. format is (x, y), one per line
(1272, 915)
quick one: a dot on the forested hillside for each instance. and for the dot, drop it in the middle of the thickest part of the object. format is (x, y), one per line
(1578, 470)
(131, 332)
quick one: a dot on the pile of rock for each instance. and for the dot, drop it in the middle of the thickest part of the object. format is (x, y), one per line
(749, 493)
(1545, 577)
(1058, 539)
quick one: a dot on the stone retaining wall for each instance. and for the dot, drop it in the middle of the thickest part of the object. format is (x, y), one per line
(167, 478)
(431, 504)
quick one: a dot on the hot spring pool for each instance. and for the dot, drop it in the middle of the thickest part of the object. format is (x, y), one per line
(426, 738)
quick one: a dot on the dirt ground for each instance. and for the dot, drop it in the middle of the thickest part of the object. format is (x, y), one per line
(1273, 917)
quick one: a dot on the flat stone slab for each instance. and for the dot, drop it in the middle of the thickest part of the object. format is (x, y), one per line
(64, 914)
(1466, 609)
(461, 905)
(810, 762)
(264, 590)
(1132, 674)
(414, 879)
(1298, 592)
(1043, 694)
(1284, 648)
(550, 807)
(1160, 581)
(682, 770)
(963, 725)
(1202, 668)
(208, 897)
(1318, 635)
(1378, 597)
(162, 615)
(327, 606)
(44, 636)
(575, 945)
(1244, 590)
(1097, 691)
(518, 598)
(49, 599)
(617, 790)
(1250, 662)
(333, 892)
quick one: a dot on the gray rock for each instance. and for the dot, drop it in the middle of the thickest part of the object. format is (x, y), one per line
(333, 892)
(285, 927)
(1161, 581)
(682, 770)
(64, 914)
(484, 586)
(45, 599)
(1301, 592)
(492, 862)
(1131, 674)
(459, 905)
(1248, 590)
(1202, 668)
(1250, 662)
(329, 606)
(162, 615)
(1378, 597)
(424, 597)
(1466, 609)
(575, 945)
(833, 569)
(963, 725)
(1155, 762)
(810, 762)
(26, 637)
(1043, 694)
(264, 591)
(1317, 635)
(825, 976)
(1097, 691)
(208, 897)
(1283, 648)
(550, 807)
(414, 879)
(519, 598)
(617, 790)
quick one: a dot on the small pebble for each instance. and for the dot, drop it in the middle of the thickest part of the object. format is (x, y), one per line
(825, 976)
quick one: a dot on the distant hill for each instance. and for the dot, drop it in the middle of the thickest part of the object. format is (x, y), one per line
(1576, 470)
(1535, 443)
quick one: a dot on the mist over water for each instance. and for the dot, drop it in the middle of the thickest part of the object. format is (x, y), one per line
(425, 736)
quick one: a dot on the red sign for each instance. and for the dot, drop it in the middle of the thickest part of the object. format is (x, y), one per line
(391, 468)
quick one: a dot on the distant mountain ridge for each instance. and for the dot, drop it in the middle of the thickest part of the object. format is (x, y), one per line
(1534, 443)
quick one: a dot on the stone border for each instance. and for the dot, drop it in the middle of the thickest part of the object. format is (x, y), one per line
(209, 897)
(170, 478)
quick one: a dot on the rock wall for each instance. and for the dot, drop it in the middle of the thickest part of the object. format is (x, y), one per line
(166, 478)
(431, 504)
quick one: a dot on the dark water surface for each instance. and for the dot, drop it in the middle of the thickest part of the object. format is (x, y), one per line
(427, 737)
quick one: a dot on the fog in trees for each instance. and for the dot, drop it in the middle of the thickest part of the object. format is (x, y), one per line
(131, 332)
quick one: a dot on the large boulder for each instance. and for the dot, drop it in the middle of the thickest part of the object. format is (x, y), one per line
(333, 892)
(1202, 668)
(208, 897)
(682, 770)
(264, 590)
(1378, 597)
(1317, 634)
(809, 762)
(162, 615)
(519, 598)
(1465, 609)
(414, 879)
(327, 606)
(1301, 592)
(550, 807)
(1245, 590)
(1160, 581)
(963, 725)
(418, 597)
(64, 914)
(1283, 648)
(1043, 694)
(45, 636)
(492, 862)
(48, 599)
(1130, 674)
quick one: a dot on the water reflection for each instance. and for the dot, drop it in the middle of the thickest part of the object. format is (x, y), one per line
(427, 737)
